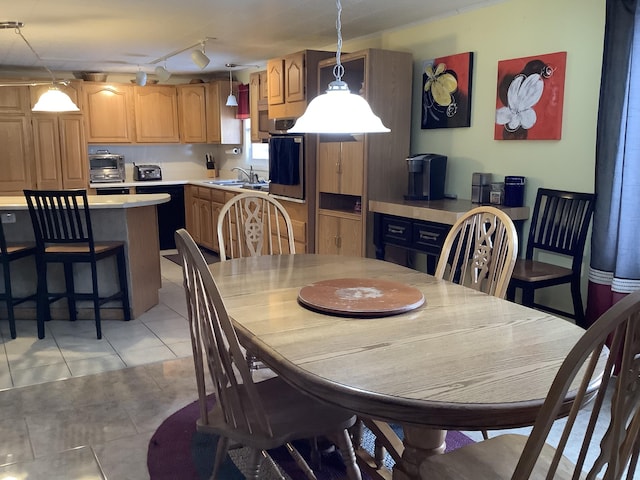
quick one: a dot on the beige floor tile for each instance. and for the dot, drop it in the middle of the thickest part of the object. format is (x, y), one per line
(181, 349)
(58, 431)
(133, 357)
(74, 464)
(14, 441)
(125, 458)
(96, 364)
(40, 374)
(147, 415)
(171, 330)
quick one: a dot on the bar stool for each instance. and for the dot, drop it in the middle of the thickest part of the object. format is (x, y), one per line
(62, 228)
(9, 253)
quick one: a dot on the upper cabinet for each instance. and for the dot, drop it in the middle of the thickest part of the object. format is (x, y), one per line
(259, 107)
(109, 114)
(222, 125)
(292, 82)
(156, 114)
(192, 113)
(14, 100)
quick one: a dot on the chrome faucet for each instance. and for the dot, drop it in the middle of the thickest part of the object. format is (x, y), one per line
(251, 177)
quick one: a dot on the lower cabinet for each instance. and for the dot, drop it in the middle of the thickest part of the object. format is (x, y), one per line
(339, 235)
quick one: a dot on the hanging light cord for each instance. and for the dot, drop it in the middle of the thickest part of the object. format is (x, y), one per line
(338, 70)
(19, 32)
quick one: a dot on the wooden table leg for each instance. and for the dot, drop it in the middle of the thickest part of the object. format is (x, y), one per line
(419, 443)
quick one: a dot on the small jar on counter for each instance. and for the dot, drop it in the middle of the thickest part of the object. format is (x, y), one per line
(496, 195)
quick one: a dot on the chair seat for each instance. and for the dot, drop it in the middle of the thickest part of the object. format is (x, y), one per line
(493, 459)
(292, 416)
(82, 248)
(19, 250)
(535, 271)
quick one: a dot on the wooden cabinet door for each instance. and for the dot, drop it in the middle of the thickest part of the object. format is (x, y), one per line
(46, 142)
(109, 113)
(350, 232)
(294, 74)
(275, 81)
(254, 97)
(205, 221)
(73, 151)
(192, 214)
(16, 155)
(14, 100)
(156, 114)
(263, 93)
(341, 168)
(222, 125)
(214, 131)
(192, 113)
(339, 236)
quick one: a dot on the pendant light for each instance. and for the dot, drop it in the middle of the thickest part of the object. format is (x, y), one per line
(54, 99)
(231, 99)
(338, 110)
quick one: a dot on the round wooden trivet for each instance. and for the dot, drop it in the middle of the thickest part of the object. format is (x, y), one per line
(361, 297)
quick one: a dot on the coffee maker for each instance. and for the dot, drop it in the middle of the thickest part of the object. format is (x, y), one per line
(427, 173)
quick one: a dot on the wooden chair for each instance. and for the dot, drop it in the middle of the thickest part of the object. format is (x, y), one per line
(260, 415)
(479, 251)
(63, 233)
(559, 225)
(8, 254)
(614, 452)
(254, 224)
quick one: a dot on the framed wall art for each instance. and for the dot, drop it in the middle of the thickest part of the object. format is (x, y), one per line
(530, 97)
(446, 92)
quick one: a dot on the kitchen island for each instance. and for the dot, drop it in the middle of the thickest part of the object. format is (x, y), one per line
(131, 219)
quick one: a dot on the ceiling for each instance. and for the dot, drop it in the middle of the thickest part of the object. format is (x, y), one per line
(120, 36)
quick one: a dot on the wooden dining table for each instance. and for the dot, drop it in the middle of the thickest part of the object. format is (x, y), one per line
(462, 360)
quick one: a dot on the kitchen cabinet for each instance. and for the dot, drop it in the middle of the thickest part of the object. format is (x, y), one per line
(352, 170)
(16, 156)
(109, 113)
(203, 206)
(292, 81)
(60, 151)
(259, 107)
(14, 100)
(192, 113)
(222, 125)
(156, 114)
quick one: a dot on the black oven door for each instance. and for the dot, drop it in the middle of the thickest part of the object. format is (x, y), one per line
(286, 165)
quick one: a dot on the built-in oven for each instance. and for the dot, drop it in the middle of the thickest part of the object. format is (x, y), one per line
(287, 165)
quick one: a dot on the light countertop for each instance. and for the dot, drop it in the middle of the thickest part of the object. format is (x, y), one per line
(97, 201)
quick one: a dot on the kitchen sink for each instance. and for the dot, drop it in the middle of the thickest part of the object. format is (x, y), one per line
(262, 186)
(225, 182)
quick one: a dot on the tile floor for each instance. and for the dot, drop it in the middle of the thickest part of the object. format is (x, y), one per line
(69, 409)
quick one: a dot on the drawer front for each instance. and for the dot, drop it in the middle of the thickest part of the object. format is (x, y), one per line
(429, 236)
(396, 231)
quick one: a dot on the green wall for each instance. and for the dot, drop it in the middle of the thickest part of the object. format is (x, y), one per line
(511, 29)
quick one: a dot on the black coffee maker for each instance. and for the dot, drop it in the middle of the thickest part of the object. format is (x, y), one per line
(427, 173)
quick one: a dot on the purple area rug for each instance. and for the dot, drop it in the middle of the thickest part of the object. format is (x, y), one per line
(178, 451)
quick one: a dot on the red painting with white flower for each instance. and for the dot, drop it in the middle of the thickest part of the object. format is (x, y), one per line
(446, 91)
(530, 97)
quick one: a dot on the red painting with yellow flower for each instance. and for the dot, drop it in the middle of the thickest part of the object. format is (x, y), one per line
(446, 91)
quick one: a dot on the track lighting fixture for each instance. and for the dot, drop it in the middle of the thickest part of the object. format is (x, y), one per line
(199, 57)
(338, 110)
(53, 100)
(141, 78)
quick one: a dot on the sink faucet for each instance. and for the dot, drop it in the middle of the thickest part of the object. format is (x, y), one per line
(251, 177)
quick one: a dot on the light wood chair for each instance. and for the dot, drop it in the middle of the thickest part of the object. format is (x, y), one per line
(260, 415)
(62, 229)
(8, 254)
(254, 224)
(559, 226)
(615, 444)
(480, 252)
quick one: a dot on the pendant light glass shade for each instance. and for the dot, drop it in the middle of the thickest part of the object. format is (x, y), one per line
(338, 110)
(231, 99)
(55, 100)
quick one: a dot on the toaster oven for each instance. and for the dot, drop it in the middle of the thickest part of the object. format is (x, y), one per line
(105, 167)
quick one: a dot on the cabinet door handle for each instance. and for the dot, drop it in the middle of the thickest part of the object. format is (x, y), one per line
(396, 230)
(338, 241)
(429, 236)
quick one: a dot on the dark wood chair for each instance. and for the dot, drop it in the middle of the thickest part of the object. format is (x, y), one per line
(8, 254)
(559, 225)
(608, 452)
(260, 415)
(63, 233)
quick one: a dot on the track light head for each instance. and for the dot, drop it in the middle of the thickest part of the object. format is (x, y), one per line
(199, 58)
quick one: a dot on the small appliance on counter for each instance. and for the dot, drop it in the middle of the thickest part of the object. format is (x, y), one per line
(146, 172)
(427, 172)
(105, 167)
(514, 191)
(481, 188)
